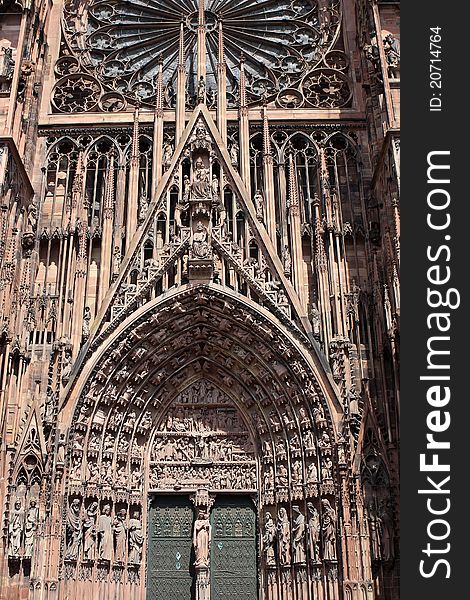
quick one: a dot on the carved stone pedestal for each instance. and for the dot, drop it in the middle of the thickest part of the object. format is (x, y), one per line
(203, 590)
(301, 585)
(200, 270)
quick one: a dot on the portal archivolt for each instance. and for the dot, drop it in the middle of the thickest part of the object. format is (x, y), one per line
(203, 396)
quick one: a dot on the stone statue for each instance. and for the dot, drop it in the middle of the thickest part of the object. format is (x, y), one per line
(298, 532)
(186, 189)
(167, 154)
(201, 90)
(6, 64)
(328, 529)
(120, 536)
(143, 207)
(66, 367)
(15, 530)
(169, 95)
(313, 532)
(33, 215)
(31, 525)
(73, 530)
(234, 148)
(202, 539)
(215, 188)
(212, 97)
(392, 55)
(117, 257)
(105, 534)
(200, 186)
(136, 539)
(89, 531)
(312, 473)
(286, 260)
(269, 539)
(200, 247)
(61, 449)
(385, 530)
(315, 321)
(86, 323)
(259, 205)
(283, 529)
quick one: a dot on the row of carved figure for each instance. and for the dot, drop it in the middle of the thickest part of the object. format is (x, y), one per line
(296, 540)
(22, 529)
(90, 536)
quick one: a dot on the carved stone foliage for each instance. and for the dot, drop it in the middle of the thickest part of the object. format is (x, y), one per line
(297, 43)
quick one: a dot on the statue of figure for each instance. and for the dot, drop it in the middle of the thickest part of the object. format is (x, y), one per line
(283, 529)
(212, 97)
(215, 189)
(86, 323)
(313, 532)
(7, 64)
(89, 531)
(200, 186)
(298, 531)
(373, 56)
(234, 148)
(269, 539)
(385, 529)
(186, 189)
(143, 207)
(66, 367)
(259, 205)
(167, 154)
(105, 534)
(169, 95)
(15, 530)
(73, 530)
(200, 246)
(136, 539)
(33, 215)
(117, 257)
(315, 321)
(201, 90)
(31, 525)
(202, 539)
(312, 473)
(61, 449)
(392, 55)
(120, 536)
(328, 529)
(286, 260)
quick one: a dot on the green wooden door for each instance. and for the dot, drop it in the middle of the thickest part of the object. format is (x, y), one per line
(233, 549)
(170, 555)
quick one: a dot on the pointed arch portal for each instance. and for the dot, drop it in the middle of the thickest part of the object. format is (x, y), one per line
(200, 406)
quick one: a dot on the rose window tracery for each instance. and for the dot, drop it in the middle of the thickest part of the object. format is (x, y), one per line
(283, 43)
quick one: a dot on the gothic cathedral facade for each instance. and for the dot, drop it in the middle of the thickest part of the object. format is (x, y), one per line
(199, 299)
